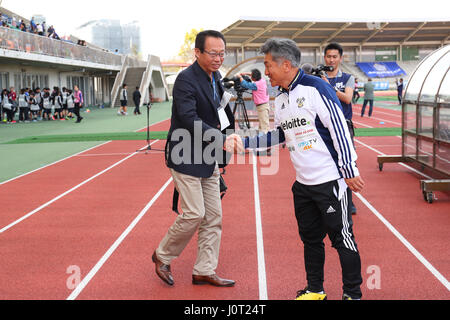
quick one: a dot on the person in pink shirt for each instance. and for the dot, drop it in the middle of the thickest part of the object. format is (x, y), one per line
(260, 98)
(78, 101)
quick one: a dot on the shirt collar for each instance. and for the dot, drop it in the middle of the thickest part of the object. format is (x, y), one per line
(295, 82)
(338, 75)
(205, 75)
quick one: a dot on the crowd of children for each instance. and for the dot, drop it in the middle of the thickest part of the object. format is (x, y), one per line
(36, 105)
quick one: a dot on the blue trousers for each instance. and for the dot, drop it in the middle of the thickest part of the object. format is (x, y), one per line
(364, 107)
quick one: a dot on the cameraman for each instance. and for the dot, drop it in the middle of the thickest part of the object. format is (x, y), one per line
(260, 97)
(343, 83)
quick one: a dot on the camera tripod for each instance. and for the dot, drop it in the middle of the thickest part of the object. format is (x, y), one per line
(149, 146)
(239, 106)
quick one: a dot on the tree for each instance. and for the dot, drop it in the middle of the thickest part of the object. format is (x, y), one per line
(187, 49)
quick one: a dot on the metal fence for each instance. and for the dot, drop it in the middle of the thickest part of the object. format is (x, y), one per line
(17, 40)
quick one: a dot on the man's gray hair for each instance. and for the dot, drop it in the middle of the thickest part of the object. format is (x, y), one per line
(283, 49)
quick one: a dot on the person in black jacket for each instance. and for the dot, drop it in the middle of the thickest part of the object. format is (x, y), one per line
(137, 101)
(194, 152)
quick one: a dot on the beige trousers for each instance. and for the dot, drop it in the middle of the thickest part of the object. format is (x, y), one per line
(202, 211)
(263, 116)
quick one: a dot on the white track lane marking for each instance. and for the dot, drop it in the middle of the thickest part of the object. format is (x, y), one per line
(259, 236)
(116, 244)
(401, 164)
(375, 118)
(67, 192)
(406, 243)
(56, 162)
(397, 234)
(103, 155)
(362, 124)
(77, 154)
(381, 112)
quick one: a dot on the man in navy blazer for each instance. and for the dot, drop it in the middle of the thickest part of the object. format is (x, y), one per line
(194, 152)
(194, 107)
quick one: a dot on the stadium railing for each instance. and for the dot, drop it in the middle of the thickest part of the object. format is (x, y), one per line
(16, 40)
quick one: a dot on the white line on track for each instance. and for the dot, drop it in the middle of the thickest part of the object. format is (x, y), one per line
(259, 236)
(67, 192)
(374, 118)
(103, 154)
(387, 121)
(402, 164)
(381, 112)
(116, 244)
(397, 234)
(51, 164)
(77, 154)
(362, 124)
(405, 242)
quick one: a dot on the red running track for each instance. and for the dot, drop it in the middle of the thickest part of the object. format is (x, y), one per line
(81, 228)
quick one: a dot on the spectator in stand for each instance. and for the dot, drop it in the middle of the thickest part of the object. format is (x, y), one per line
(40, 29)
(32, 25)
(52, 33)
(23, 27)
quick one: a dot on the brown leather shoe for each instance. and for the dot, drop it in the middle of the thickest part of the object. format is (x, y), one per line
(163, 270)
(213, 280)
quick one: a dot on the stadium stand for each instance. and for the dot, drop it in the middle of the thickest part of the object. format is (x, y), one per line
(29, 60)
(406, 43)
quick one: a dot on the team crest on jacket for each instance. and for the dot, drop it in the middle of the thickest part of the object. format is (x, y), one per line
(301, 102)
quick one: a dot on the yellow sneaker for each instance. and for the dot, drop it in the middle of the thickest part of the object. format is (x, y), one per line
(347, 297)
(308, 295)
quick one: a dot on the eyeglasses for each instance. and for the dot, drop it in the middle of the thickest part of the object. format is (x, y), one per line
(215, 54)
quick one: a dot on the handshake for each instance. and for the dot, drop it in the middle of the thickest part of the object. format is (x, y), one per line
(234, 144)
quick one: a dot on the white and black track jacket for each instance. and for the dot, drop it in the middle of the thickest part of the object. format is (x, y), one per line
(309, 119)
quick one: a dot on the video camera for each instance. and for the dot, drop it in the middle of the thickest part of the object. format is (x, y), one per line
(320, 71)
(235, 83)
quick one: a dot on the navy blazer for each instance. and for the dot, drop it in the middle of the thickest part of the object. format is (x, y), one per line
(193, 101)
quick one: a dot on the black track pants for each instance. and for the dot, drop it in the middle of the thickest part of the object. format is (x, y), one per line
(320, 212)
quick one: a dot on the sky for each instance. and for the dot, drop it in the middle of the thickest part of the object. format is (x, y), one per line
(164, 23)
